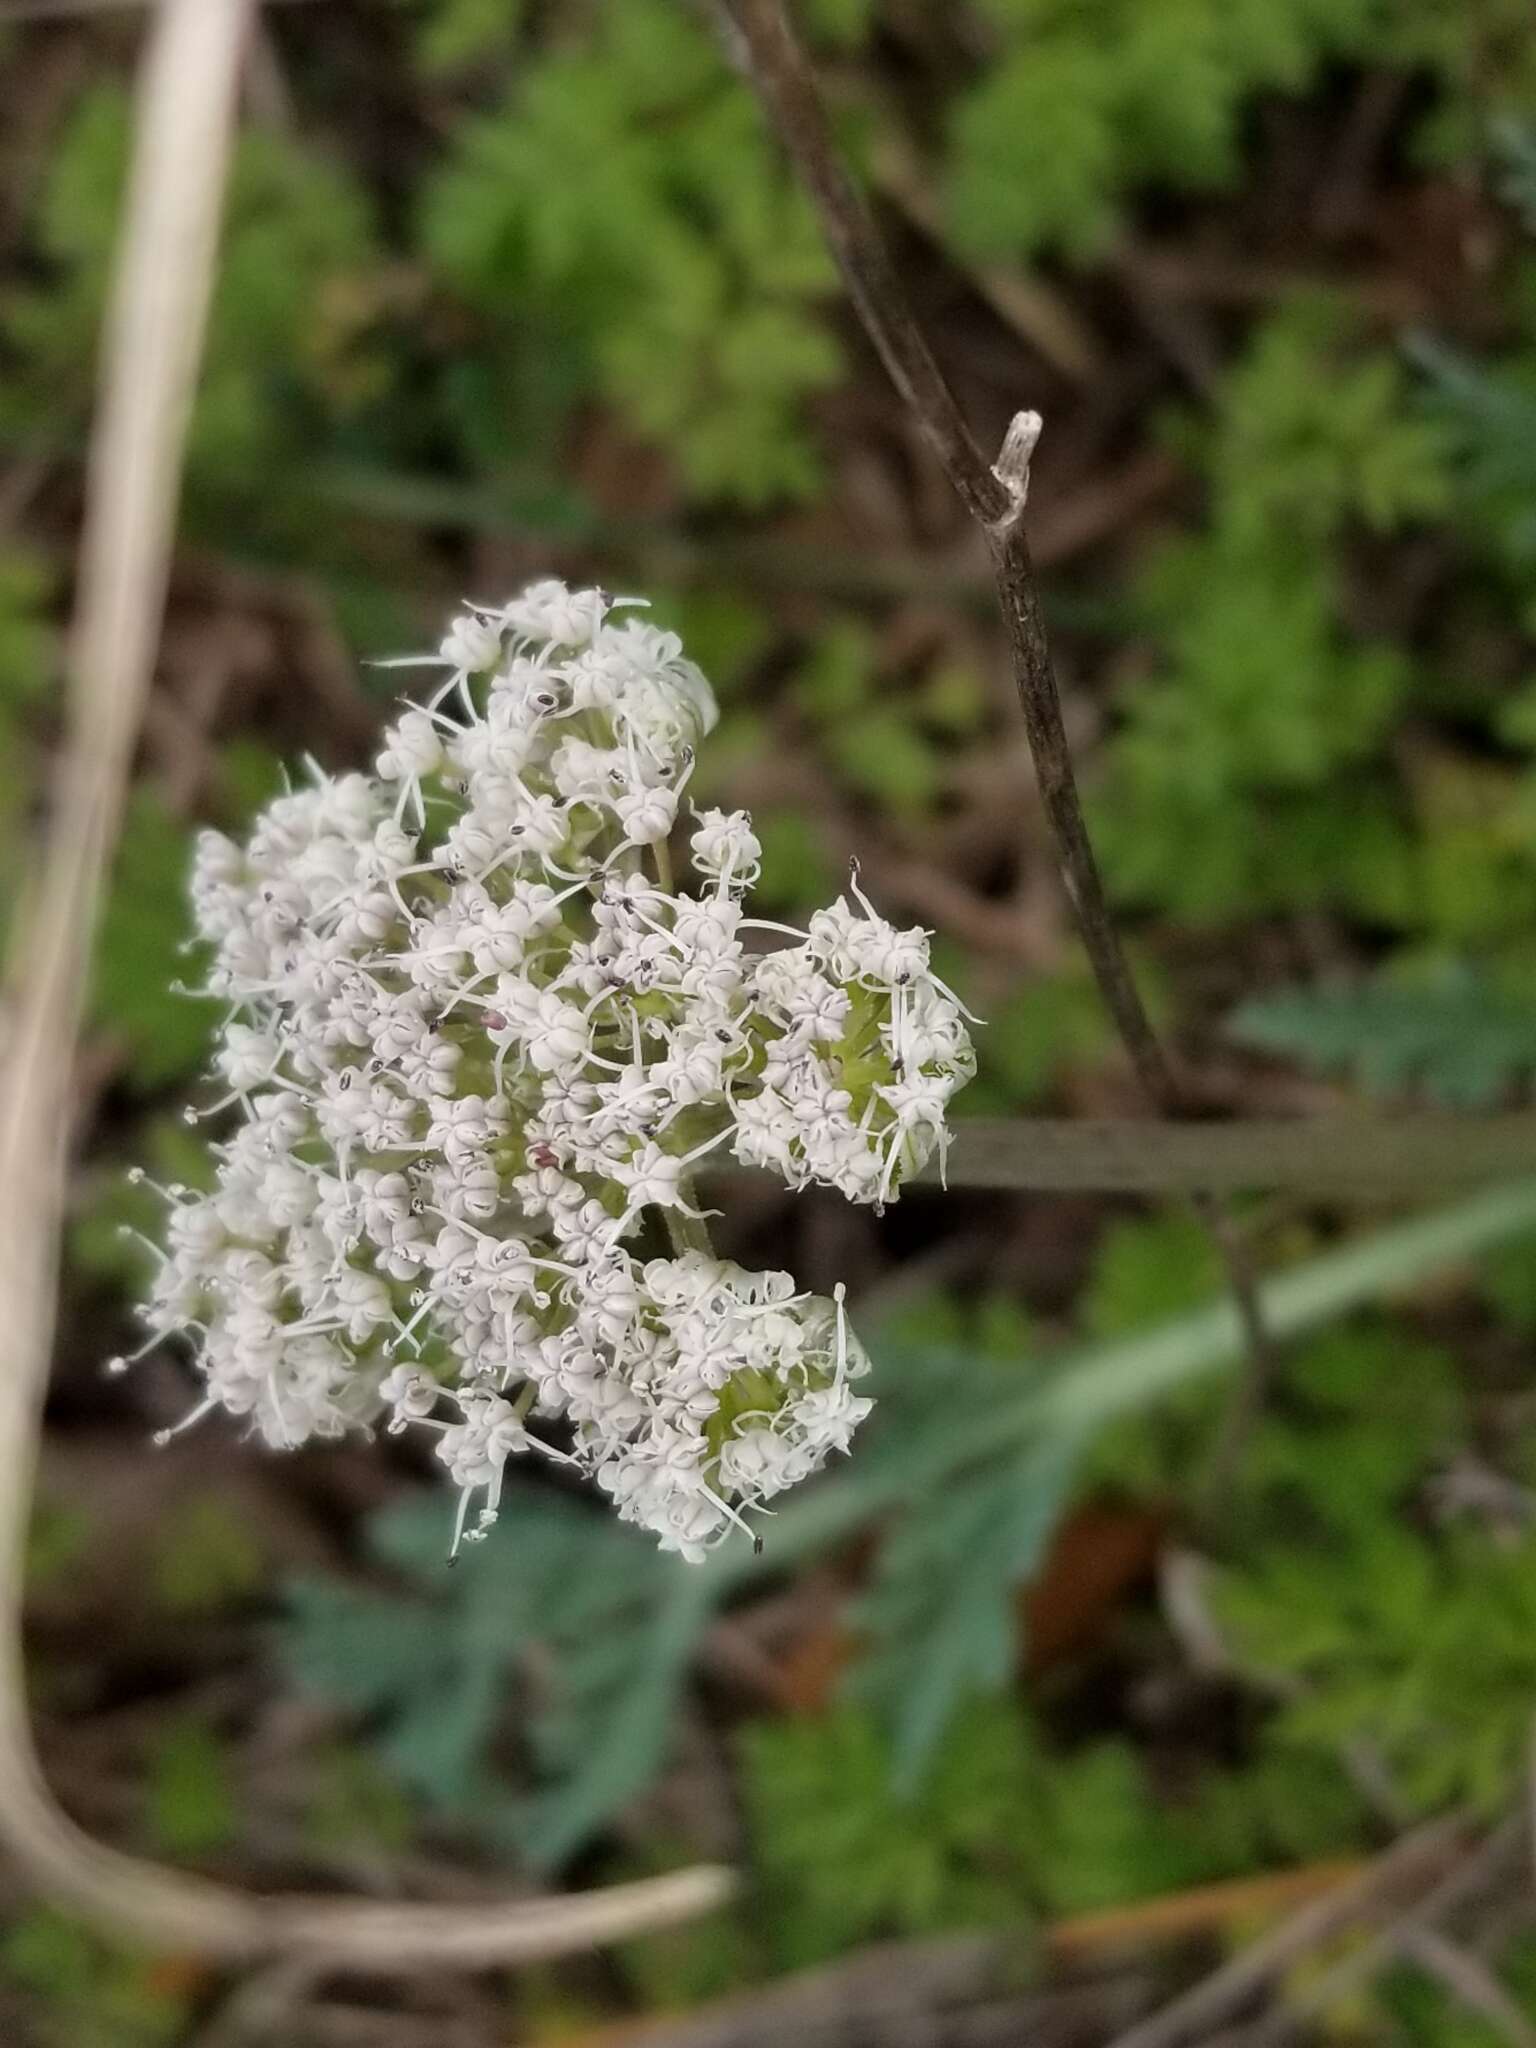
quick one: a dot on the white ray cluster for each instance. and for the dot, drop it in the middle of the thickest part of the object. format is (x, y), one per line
(481, 1044)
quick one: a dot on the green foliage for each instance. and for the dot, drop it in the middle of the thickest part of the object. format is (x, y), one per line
(460, 35)
(206, 1559)
(1463, 1039)
(106, 1240)
(288, 345)
(1424, 2012)
(1146, 1269)
(1375, 1623)
(27, 649)
(1509, 1285)
(940, 1620)
(1314, 432)
(1490, 412)
(1372, 1411)
(629, 175)
(1082, 106)
(795, 868)
(140, 954)
(1363, 1416)
(1084, 100)
(991, 1329)
(1425, 1650)
(1099, 1836)
(139, 944)
(1483, 58)
(1011, 1826)
(615, 1617)
(1048, 1028)
(680, 1967)
(876, 742)
(58, 1539)
(90, 1994)
(841, 1860)
(355, 1804)
(1514, 143)
(191, 1804)
(616, 1622)
(1240, 776)
(837, 23)
(27, 661)
(1279, 1804)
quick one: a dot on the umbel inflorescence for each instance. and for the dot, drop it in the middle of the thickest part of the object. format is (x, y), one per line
(481, 1044)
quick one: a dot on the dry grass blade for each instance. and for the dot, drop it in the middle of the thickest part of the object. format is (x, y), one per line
(74, 10)
(152, 353)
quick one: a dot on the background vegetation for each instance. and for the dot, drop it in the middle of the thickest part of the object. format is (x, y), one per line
(517, 287)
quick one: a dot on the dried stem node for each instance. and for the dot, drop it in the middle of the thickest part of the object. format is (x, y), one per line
(1012, 466)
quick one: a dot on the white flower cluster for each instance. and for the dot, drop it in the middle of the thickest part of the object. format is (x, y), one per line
(481, 1043)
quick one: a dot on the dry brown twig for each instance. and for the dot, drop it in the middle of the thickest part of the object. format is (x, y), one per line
(1470, 1875)
(1412, 1862)
(1469, 1981)
(153, 348)
(994, 494)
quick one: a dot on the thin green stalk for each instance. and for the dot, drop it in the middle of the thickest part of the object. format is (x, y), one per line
(686, 1233)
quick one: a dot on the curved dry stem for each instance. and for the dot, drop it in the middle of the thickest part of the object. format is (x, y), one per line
(152, 353)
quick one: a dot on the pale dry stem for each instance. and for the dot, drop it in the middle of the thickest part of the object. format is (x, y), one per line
(152, 352)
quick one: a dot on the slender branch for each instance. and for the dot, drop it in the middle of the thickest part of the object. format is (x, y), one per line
(151, 360)
(995, 497)
(1476, 1872)
(784, 80)
(1365, 1158)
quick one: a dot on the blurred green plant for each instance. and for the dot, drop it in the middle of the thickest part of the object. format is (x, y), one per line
(1421, 1649)
(1463, 1039)
(1079, 106)
(625, 199)
(840, 1859)
(1013, 1825)
(290, 358)
(1424, 2013)
(882, 742)
(140, 952)
(607, 231)
(1081, 102)
(191, 1808)
(28, 655)
(429, 1662)
(206, 1558)
(1489, 411)
(88, 1993)
(1245, 775)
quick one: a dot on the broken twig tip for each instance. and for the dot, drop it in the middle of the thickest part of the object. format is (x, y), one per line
(1012, 466)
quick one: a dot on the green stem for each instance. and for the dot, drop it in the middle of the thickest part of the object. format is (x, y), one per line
(687, 1233)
